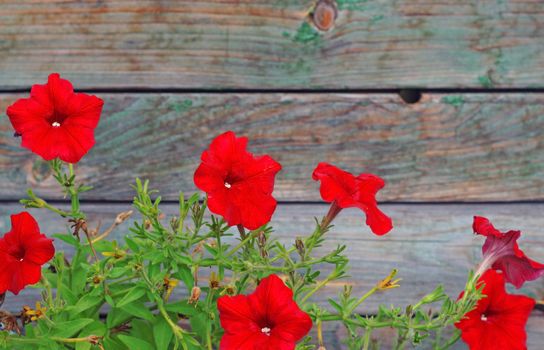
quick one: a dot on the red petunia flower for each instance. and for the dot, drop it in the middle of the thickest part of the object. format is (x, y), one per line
(23, 251)
(239, 185)
(501, 252)
(268, 319)
(345, 190)
(498, 321)
(55, 122)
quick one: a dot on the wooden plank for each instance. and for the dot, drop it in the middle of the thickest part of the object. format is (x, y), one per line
(259, 44)
(430, 244)
(470, 147)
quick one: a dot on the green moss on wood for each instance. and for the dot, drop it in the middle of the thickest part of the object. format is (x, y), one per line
(306, 34)
(182, 106)
(485, 81)
(456, 101)
(375, 19)
(351, 4)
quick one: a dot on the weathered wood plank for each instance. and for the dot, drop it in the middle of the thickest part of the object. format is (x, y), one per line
(470, 147)
(430, 244)
(216, 44)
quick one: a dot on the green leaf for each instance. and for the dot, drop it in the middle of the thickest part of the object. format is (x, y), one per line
(162, 334)
(142, 330)
(138, 309)
(116, 317)
(70, 239)
(182, 307)
(135, 343)
(69, 328)
(68, 295)
(132, 295)
(184, 274)
(86, 302)
(109, 300)
(154, 256)
(113, 344)
(199, 324)
(132, 245)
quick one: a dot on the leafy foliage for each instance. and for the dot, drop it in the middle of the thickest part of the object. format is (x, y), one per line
(119, 295)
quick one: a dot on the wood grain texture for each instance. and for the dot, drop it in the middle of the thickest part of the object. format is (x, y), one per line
(469, 147)
(430, 244)
(260, 44)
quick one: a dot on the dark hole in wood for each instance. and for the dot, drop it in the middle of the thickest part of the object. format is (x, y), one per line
(410, 95)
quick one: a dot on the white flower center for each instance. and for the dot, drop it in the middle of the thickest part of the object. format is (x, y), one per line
(227, 185)
(56, 124)
(484, 318)
(266, 331)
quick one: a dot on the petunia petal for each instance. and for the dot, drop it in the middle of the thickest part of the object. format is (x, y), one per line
(336, 184)
(39, 250)
(55, 121)
(347, 191)
(484, 227)
(239, 186)
(83, 111)
(274, 300)
(24, 227)
(501, 252)
(243, 341)
(22, 252)
(499, 320)
(237, 315)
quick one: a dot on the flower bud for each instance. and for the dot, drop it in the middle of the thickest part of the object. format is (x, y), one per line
(195, 295)
(8, 323)
(434, 296)
(174, 223)
(300, 247)
(122, 217)
(388, 282)
(261, 242)
(214, 281)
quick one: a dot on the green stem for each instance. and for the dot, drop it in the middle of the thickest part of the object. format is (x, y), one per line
(317, 287)
(70, 340)
(48, 291)
(209, 299)
(454, 338)
(362, 299)
(240, 245)
(56, 210)
(74, 195)
(40, 341)
(366, 340)
(177, 330)
(60, 271)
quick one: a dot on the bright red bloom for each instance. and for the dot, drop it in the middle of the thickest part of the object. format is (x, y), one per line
(498, 321)
(55, 122)
(345, 190)
(23, 251)
(268, 319)
(239, 185)
(501, 252)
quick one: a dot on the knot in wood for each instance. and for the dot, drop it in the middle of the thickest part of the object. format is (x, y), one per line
(325, 14)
